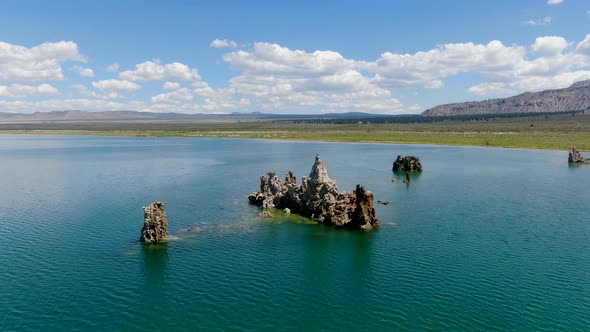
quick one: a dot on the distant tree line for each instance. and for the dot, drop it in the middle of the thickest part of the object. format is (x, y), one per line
(324, 119)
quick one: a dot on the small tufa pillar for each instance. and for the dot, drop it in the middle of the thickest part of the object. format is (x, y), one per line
(155, 223)
(408, 179)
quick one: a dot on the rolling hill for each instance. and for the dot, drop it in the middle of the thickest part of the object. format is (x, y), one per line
(574, 98)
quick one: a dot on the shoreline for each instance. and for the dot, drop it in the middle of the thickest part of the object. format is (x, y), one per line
(512, 140)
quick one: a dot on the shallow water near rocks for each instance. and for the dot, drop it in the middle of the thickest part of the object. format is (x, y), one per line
(483, 239)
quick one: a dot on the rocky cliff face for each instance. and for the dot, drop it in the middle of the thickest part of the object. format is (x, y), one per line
(318, 198)
(407, 164)
(574, 98)
(575, 157)
(155, 223)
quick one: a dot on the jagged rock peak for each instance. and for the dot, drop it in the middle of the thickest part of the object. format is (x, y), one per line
(319, 172)
(575, 157)
(155, 223)
(290, 178)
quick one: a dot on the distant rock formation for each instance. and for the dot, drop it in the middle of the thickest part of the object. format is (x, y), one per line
(155, 223)
(574, 98)
(407, 164)
(575, 157)
(317, 198)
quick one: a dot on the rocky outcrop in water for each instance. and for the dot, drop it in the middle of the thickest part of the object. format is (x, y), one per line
(318, 198)
(575, 157)
(155, 223)
(407, 164)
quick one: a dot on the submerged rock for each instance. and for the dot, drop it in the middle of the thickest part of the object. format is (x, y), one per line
(407, 164)
(575, 157)
(190, 230)
(155, 223)
(407, 180)
(318, 198)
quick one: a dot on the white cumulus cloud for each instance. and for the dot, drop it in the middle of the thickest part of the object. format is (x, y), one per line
(222, 43)
(38, 63)
(84, 72)
(550, 45)
(171, 86)
(19, 90)
(429, 68)
(116, 85)
(112, 67)
(584, 46)
(276, 78)
(271, 59)
(554, 2)
(490, 88)
(69, 104)
(156, 71)
(173, 97)
(541, 21)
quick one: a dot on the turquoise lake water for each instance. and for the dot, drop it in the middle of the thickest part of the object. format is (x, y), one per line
(484, 239)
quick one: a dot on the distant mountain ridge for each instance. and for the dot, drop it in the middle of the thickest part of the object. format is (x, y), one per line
(77, 115)
(574, 98)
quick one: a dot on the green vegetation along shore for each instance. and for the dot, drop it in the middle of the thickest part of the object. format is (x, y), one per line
(543, 132)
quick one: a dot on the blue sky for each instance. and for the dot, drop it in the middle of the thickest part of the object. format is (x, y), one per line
(285, 56)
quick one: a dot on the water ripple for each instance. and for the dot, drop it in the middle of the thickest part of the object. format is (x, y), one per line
(488, 246)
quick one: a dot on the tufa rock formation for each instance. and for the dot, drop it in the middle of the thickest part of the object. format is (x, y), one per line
(574, 98)
(155, 223)
(576, 158)
(317, 198)
(407, 164)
